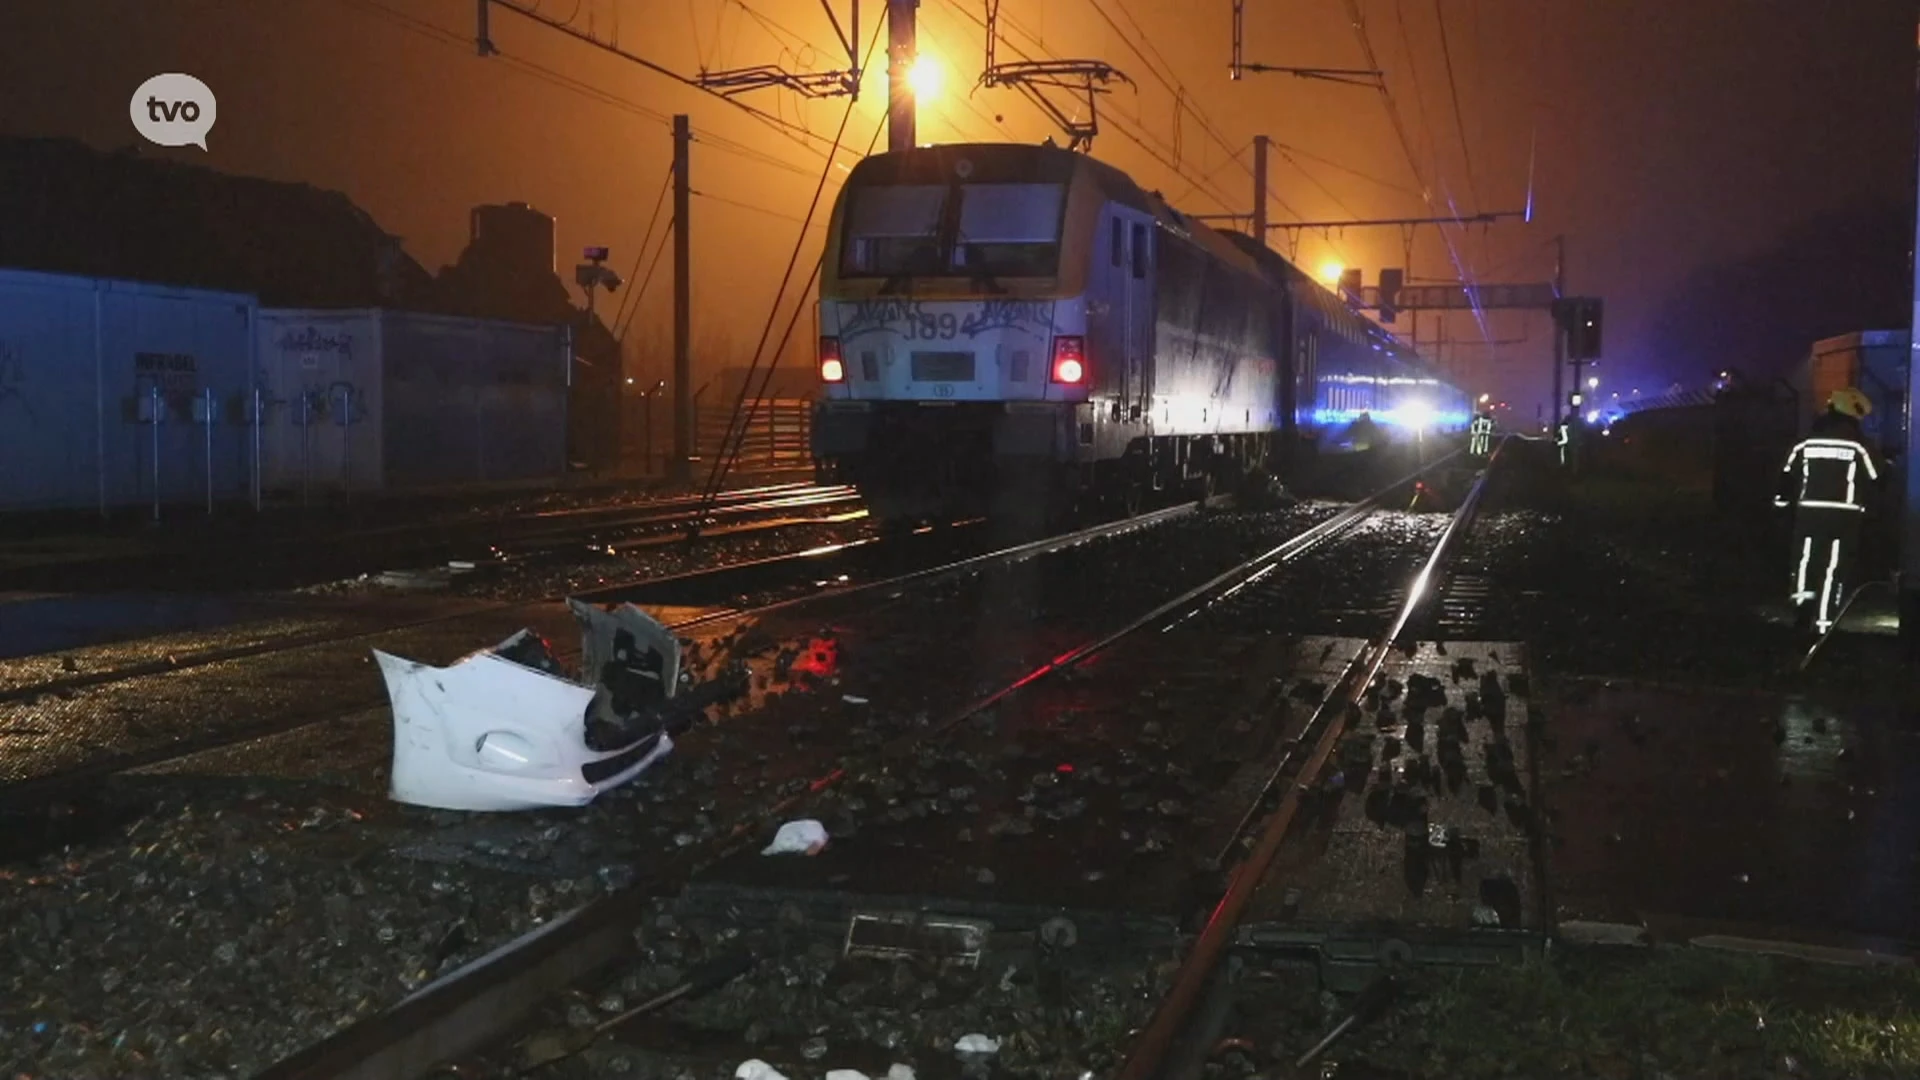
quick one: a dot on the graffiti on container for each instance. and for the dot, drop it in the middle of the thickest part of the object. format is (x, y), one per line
(916, 322)
(13, 375)
(311, 343)
(1008, 315)
(174, 373)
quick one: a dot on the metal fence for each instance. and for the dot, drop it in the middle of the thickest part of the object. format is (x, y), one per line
(779, 435)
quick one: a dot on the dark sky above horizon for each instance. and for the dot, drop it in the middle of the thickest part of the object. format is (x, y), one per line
(1668, 138)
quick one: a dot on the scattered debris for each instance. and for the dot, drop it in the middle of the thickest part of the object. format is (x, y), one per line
(805, 837)
(508, 728)
(977, 1044)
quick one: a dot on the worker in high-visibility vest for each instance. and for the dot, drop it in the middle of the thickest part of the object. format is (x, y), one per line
(1563, 438)
(1480, 438)
(1826, 480)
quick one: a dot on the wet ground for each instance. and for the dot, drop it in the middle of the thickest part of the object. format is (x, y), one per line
(448, 886)
(1156, 745)
(1794, 817)
(31, 624)
(1425, 820)
(1691, 775)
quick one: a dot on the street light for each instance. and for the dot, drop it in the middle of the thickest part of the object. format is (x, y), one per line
(1593, 383)
(1330, 272)
(924, 78)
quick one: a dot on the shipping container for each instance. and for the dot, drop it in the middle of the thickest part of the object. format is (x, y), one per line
(1873, 362)
(118, 392)
(386, 400)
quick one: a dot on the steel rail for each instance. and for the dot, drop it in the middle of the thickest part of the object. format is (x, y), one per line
(95, 679)
(1170, 1021)
(43, 786)
(285, 545)
(468, 1008)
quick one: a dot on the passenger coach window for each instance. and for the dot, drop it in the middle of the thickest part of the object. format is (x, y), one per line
(1139, 251)
(1119, 242)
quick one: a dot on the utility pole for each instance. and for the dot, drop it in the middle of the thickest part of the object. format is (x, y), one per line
(1260, 189)
(682, 306)
(1910, 514)
(1558, 405)
(902, 51)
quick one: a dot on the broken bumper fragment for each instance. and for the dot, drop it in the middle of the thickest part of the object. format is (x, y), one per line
(506, 729)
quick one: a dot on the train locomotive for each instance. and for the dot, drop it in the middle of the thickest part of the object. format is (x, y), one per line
(1004, 327)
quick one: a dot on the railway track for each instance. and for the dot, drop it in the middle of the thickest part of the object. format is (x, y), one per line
(282, 686)
(241, 562)
(1067, 745)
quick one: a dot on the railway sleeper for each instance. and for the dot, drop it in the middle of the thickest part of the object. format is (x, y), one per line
(1344, 958)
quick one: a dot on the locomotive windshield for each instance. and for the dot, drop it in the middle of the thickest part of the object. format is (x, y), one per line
(958, 230)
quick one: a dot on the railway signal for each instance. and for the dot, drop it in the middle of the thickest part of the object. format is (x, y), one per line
(1581, 318)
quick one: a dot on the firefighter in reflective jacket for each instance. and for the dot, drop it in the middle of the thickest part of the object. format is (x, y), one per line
(1563, 438)
(1825, 480)
(1481, 439)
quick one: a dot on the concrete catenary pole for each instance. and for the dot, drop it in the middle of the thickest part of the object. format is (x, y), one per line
(902, 50)
(682, 306)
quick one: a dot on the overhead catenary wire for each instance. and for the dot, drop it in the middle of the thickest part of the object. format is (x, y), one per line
(1453, 91)
(1406, 147)
(1123, 124)
(760, 392)
(711, 197)
(732, 438)
(653, 266)
(646, 241)
(566, 82)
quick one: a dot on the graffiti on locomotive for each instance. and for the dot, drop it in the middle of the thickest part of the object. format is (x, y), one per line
(914, 320)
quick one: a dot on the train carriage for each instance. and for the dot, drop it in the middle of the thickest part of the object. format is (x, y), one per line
(1026, 324)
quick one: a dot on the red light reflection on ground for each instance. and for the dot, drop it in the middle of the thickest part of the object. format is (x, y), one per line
(820, 660)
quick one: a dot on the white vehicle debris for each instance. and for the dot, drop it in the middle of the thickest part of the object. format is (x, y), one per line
(507, 728)
(805, 837)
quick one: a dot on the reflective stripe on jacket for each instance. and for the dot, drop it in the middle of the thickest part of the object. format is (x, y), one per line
(1827, 474)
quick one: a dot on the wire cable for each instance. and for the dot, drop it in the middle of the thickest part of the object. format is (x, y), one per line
(640, 293)
(646, 241)
(1406, 147)
(736, 428)
(1453, 90)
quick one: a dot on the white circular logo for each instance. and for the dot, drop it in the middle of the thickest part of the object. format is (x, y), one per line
(173, 110)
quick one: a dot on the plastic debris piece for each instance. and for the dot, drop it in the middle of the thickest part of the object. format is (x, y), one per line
(846, 1074)
(853, 699)
(804, 837)
(755, 1069)
(898, 1071)
(977, 1044)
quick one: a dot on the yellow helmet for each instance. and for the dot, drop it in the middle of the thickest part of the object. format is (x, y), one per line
(1851, 402)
